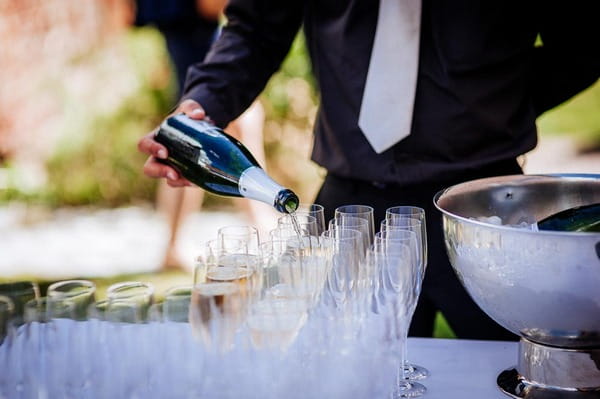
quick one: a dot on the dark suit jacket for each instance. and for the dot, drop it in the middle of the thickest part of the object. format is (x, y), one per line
(481, 81)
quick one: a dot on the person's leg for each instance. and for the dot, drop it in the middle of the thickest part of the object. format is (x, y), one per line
(176, 204)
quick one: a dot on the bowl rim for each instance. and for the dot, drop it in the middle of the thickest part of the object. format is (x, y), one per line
(463, 219)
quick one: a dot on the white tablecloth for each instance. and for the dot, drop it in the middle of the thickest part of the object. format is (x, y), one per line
(462, 368)
(91, 364)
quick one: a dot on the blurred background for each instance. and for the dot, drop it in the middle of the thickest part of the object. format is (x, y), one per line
(80, 86)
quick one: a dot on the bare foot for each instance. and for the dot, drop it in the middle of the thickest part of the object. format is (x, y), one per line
(172, 261)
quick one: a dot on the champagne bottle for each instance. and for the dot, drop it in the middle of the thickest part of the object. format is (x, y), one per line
(580, 218)
(210, 158)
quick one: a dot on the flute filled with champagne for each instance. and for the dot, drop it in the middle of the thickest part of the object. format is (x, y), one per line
(216, 312)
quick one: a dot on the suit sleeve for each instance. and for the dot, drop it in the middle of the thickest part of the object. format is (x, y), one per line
(569, 59)
(251, 47)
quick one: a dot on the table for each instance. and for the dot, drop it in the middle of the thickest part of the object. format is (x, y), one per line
(462, 368)
(459, 368)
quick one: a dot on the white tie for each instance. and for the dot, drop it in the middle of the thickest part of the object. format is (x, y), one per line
(389, 96)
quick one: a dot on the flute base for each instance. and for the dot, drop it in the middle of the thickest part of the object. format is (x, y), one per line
(409, 389)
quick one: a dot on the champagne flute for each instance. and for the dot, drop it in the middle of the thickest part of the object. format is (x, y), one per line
(79, 292)
(126, 314)
(307, 223)
(347, 221)
(20, 292)
(248, 262)
(397, 213)
(229, 262)
(174, 317)
(176, 306)
(247, 234)
(347, 247)
(127, 297)
(403, 216)
(55, 362)
(283, 269)
(361, 211)
(279, 311)
(400, 276)
(103, 336)
(274, 323)
(216, 313)
(315, 210)
(7, 309)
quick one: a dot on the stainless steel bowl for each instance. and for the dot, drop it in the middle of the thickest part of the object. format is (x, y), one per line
(541, 285)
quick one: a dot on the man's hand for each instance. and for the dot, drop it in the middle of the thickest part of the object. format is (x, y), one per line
(147, 145)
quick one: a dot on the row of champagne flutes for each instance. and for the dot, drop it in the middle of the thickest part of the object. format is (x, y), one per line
(67, 344)
(367, 282)
(322, 313)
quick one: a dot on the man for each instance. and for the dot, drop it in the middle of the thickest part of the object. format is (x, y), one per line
(479, 84)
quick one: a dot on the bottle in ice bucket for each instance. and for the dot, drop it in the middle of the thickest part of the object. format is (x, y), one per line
(210, 158)
(580, 218)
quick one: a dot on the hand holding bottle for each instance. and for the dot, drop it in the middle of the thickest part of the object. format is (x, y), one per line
(201, 153)
(147, 144)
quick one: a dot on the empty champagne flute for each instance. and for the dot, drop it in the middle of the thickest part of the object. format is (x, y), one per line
(7, 309)
(247, 234)
(396, 213)
(173, 320)
(176, 306)
(53, 363)
(123, 296)
(7, 333)
(307, 223)
(404, 217)
(400, 276)
(126, 316)
(20, 292)
(347, 250)
(274, 322)
(81, 293)
(347, 221)
(315, 210)
(361, 211)
(284, 271)
(279, 311)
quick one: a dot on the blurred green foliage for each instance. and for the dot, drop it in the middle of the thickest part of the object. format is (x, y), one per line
(579, 117)
(105, 168)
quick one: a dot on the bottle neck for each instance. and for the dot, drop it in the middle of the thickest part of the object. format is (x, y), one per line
(255, 184)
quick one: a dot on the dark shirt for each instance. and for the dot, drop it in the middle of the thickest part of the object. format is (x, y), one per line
(481, 82)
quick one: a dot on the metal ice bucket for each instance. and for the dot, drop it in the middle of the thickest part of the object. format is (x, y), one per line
(541, 285)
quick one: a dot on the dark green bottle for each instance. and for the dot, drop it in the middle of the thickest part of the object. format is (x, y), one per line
(580, 218)
(210, 158)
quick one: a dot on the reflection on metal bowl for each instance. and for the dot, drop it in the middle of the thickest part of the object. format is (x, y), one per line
(542, 285)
